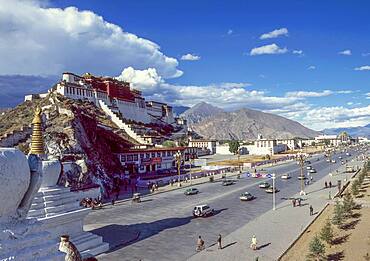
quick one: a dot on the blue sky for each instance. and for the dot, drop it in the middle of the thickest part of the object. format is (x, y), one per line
(299, 72)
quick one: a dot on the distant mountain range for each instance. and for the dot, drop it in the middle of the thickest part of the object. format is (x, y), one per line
(213, 122)
(200, 112)
(179, 109)
(361, 131)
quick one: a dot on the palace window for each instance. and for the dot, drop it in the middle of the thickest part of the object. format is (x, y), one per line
(135, 157)
(123, 158)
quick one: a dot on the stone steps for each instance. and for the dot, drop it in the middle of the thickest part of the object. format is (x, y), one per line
(54, 210)
(90, 244)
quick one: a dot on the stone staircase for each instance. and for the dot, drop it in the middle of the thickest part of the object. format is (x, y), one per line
(59, 210)
(115, 117)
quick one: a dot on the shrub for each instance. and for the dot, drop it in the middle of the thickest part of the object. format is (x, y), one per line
(316, 248)
(327, 233)
(338, 216)
(355, 187)
(348, 204)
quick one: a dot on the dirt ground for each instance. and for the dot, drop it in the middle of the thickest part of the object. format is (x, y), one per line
(243, 159)
(351, 243)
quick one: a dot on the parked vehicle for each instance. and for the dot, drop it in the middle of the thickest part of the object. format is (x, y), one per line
(227, 182)
(246, 196)
(191, 191)
(271, 190)
(302, 177)
(202, 211)
(285, 176)
(264, 185)
(309, 167)
(312, 171)
(333, 161)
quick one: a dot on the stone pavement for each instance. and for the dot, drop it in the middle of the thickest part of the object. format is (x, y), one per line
(275, 230)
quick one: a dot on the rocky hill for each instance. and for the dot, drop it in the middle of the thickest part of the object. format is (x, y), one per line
(245, 124)
(199, 112)
(74, 131)
(361, 131)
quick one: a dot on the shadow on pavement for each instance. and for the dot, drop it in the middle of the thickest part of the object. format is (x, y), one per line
(119, 236)
(230, 244)
(336, 256)
(263, 246)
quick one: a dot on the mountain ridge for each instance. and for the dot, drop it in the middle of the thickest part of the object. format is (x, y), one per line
(243, 124)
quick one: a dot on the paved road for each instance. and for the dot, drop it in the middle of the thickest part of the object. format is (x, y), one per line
(167, 229)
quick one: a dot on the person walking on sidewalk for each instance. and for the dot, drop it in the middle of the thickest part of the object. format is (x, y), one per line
(254, 242)
(219, 241)
(329, 184)
(311, 210)
(326, 184)
(200, 244)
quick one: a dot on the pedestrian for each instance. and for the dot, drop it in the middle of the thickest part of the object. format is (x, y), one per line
(200, 244)
(329, 184)
(254, 242)
(299, 201)
(329, 194)
(311, 179)
(293, 201)
(112, 201)
(219, 241)
(326, 184)
(311, 210)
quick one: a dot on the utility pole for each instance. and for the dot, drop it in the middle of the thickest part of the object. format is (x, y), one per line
(301, 163)
(177, 157)
(273, 191)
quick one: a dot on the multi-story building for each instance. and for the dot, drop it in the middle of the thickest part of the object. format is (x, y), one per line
(263, 146)
(292, 144)
(156, 159)
(116, 94)
(204, 145)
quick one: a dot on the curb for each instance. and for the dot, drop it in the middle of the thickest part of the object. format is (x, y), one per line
(315, 218)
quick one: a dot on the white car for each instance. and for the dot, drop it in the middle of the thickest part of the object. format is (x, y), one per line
(246, 196)
(202, 211)
(309, 167)
(312, 171)
(285, 176)
(333, 161)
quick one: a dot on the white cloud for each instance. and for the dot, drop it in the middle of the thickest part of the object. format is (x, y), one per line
(229, 32)
(145, 80)
(274, 34)
(299, 52)
(363, 68)
(190, 57)
(365, 54)
(268, 49)
(39, 40)
(345, 92)
(368, 95)
(345, 52)
(311, 67)
(349, 103)
(304, 94)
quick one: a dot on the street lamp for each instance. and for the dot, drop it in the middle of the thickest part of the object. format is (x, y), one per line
(301, 163)
(177, 157)
(273, 191)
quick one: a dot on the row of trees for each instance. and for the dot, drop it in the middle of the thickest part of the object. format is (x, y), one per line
(342, 211)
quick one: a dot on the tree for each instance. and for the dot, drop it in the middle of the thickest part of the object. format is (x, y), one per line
(338, 216)
(234, 146)
(327, 233)
(169, 143)
(348, 204)
(355, 187)
(316, 248)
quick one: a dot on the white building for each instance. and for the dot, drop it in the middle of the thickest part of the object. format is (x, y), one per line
(292, 144)
(118, 95)
(266, 147)
(203, 144)
(329, 139)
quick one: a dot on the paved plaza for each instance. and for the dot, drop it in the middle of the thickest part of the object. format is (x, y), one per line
(162, 226)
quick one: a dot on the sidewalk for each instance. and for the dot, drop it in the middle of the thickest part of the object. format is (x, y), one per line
(275, 230)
